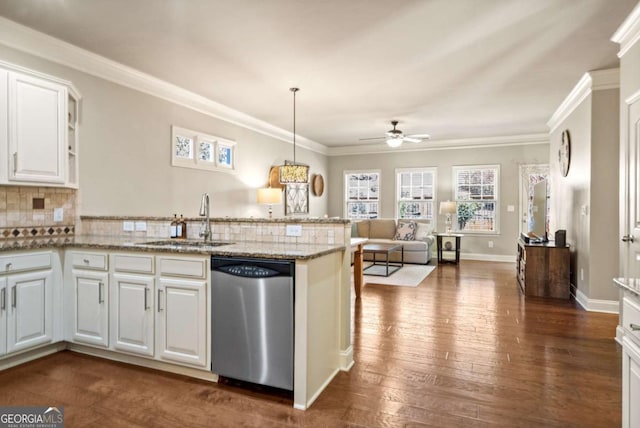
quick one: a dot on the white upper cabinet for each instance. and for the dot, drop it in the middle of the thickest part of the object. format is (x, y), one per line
(38, 128)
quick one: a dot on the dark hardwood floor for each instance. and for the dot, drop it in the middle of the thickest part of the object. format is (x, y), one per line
(464, 348)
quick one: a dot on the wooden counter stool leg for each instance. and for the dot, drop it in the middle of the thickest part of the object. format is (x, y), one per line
(358, 262)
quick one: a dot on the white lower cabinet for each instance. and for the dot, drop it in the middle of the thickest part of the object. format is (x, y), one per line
(91, 307)
(88, 280)
(3, 315)
(30, 320)
(181, 319)
(152, 306)
(26, 301)
(132, 321)
(630, 384)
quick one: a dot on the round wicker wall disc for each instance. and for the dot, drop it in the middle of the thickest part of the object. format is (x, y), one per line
(317, 185)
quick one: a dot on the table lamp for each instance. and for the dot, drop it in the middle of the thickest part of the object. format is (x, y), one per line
(269, 196)
(449, 208)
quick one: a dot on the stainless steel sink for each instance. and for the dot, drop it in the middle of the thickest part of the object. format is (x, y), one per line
(183, 243)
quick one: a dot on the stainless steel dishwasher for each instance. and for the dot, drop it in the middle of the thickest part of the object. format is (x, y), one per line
(252, 320)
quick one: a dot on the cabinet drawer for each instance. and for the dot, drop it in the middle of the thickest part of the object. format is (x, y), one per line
(631, 317)
(21, 262)
(96, 261)
(193, 268)
(132, 263)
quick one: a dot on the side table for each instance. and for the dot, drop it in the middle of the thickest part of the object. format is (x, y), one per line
(448, 245)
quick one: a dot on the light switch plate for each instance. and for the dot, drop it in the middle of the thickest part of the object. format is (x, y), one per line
(58, 214)
(294, 230)
(141, 226)
(510, 208)
(127, 226)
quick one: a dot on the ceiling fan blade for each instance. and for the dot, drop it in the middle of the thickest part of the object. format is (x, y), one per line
(421, 136)
(412, 140)
(372, 138)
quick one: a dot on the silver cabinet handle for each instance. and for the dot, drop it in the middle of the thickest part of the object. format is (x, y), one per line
(159, 300)
(86, 261)
(14, 297)
(627, 238)
(3, 299)
(146, 299)
(100, 292)
(15, 163)
(634, 327)
(8, 266)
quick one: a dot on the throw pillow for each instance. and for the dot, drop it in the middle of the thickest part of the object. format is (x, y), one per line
(406, 231)
(423, 231)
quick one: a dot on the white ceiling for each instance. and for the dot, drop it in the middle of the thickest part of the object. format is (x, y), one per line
(451, 68)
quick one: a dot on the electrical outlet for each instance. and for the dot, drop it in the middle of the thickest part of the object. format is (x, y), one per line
(58, 214)
(127, 226)
(141, 226)
(490, 244)
(294, 230)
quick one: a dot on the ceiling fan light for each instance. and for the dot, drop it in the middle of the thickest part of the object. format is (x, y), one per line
(394, 142)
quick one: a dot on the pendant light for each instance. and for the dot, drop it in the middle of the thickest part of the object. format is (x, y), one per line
(294, 173)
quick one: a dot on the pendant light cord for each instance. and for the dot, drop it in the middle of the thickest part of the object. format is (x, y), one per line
(294, 90)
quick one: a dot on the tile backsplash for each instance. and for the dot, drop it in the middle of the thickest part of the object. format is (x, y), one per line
(17, 207)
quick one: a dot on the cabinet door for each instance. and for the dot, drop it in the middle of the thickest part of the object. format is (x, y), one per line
(181, 321)
(90, 308)
(630, 384)
(132, 318)
(4, 306)
(37, 129)
(30, 318)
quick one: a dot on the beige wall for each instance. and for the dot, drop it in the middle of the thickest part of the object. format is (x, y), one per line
(585, 203)
(509, 158)
(604, 210)
(125, 154)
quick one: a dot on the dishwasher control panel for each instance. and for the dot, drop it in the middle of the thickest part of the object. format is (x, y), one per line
(249, 271)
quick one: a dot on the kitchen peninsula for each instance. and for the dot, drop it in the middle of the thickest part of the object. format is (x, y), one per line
(84, 276)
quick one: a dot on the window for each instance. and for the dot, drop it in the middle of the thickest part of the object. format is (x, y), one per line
(476, 194)
(415, 192)
(362, 193)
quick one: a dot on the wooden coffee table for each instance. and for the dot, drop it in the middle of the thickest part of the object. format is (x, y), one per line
(384, 250)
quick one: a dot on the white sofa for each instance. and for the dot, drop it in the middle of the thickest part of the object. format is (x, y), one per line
(383, 231)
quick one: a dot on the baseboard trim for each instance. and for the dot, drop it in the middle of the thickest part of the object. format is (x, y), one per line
(346, 359)
(597, 305)
(34, 354)
(619, 334)
(203, 374)
(316, 394)
(489, 257)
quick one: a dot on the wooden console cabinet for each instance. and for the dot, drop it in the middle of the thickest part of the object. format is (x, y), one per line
(544, 269)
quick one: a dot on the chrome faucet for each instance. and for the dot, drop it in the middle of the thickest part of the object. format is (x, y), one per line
(205, 229)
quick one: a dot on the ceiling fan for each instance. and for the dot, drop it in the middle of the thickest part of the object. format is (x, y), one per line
(396, 137)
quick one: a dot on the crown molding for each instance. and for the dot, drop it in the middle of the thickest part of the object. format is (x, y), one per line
(453, 144)
(596, 80)
(628, 33)
(39, 44)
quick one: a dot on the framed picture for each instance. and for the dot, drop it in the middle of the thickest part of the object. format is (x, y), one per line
(193, 149)
(226, 154)
(182, 146)
(296, 199)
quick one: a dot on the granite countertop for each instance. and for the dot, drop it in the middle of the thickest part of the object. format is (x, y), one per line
(310, 220)
(238, 249)
(632, 285)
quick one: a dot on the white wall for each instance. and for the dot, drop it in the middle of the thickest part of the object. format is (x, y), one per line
(125, 164)
(509, 158)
